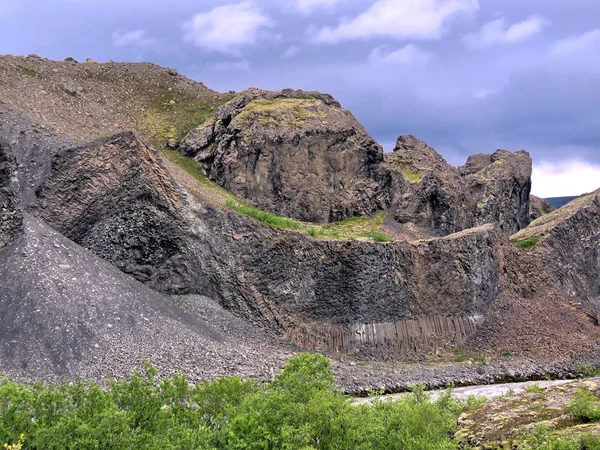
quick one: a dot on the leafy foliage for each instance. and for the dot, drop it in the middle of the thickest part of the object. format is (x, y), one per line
(542, 438)
(301, 409)
(584, 406)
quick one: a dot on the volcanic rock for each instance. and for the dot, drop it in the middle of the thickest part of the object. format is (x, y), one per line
(539, 207)
(11, 215)
(293, 153)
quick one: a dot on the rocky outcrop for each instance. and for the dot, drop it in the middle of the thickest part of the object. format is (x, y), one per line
(539, 207)
(113, 197)
(568, 242)
(500, 183)
(11, 214)
(293, 153)
(433, 196)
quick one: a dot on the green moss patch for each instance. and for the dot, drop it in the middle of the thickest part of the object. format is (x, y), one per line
(527, 243)
(291, 112)
(412, 176)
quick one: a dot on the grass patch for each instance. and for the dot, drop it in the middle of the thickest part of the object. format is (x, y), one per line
(526, 244)
(29, 70)
(264, 216)
(378, 237)
(412, 176)
(460, 355)
(543, 438)
(173, 114)
(534, 388)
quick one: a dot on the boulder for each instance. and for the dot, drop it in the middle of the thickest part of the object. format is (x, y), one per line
(293, 153)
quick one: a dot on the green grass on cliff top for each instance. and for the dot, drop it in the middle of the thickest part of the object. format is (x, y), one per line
(350, 229)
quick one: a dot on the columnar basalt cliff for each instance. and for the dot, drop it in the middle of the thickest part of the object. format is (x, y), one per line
(294, 153)
(113, 197)
(449, 276)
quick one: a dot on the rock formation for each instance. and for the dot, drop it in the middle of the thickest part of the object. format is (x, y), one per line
(113, 197)
(539, 207)
(296, 154)
(11, 215)
(436, 197)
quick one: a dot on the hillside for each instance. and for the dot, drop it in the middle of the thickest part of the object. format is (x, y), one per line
(280, 219)
(559, 202)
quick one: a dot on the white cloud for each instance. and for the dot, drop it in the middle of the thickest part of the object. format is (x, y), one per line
(227, 28)
(408, 55)
(135, 38)
(583, 43)
(307, 6)
(231, 66)
(497, 32)
(422, 19)
(291, 51)
(565, 179)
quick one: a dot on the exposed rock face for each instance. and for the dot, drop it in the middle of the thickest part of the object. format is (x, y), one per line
(539, 207)
(568, 242)
(436, 197)
(114, 198)
(11, 215)
(296, 154)
(501, 184)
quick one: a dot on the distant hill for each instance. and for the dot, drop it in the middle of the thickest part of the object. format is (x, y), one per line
(559, 202)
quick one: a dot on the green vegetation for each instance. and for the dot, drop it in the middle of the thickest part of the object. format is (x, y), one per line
(585, 407)
(29, 70)
(587, 370)
(173, 114)
(527, 243)
(461, 355)
(412, 176)
(291, 112)
(542, 438)
(263, 216)
(534, 388)
(301, 409)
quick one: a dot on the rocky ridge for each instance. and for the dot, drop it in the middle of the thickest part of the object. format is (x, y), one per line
(116, 197)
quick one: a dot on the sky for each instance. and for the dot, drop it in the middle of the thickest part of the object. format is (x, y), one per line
(466, 76)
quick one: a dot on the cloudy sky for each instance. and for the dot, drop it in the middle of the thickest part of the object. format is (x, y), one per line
(466, 76)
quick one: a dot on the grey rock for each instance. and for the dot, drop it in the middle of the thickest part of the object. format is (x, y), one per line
(294, 153)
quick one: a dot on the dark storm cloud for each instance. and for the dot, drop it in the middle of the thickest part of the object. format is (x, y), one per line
(466, 76)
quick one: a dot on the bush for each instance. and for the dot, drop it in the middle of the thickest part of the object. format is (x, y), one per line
(301, 409)
(542, 438)
(378, 237)
(585, 406)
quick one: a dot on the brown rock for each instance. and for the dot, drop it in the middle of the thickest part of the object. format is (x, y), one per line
(11, 215)
(293, 153)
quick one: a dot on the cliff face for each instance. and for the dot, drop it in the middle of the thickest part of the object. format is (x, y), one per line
(113, 197)
(441, 199)
(300, 155)
(11, 215)
(296, 154)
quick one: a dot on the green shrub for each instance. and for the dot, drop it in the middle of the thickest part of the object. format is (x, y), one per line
(526, 244)
(584, 406)
(587, 370)
(542, 438)
(29, 70)
(301, 409)
(378, 237)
